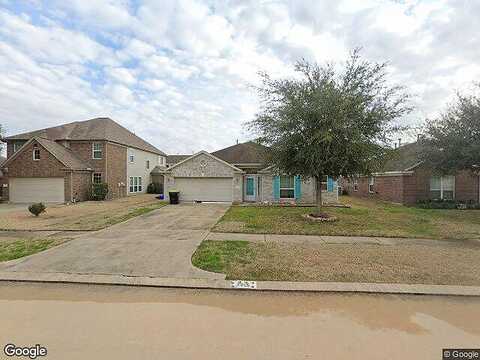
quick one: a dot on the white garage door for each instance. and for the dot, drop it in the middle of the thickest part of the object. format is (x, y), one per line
(30, 190)
(204, 189)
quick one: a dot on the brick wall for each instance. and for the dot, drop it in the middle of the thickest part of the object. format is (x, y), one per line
(116, 170)
(78, 185)
(83, 150)
(408, 189)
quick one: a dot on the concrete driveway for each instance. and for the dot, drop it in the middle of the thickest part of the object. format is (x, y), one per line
(158, 244)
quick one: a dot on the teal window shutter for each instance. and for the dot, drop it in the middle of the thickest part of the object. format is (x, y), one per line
(329, 184)
(298, 187)
(276, 187)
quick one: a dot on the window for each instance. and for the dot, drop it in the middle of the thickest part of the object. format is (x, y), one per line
(97, 178)
(135, 184)
(161, 161)
(355, 185)
(97, 151)
(325, 183)
(371, 185)
(36, 154)
(148, 164)
(17, 146)
(287, 187)
(131, 157)
(442, 187)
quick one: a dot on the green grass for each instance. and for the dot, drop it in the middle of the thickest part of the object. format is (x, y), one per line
(14, 249)
(452, 263)
(131, 214)
(218, 256)
(364, 218)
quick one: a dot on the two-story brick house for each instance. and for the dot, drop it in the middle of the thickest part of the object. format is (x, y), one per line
(60, 163)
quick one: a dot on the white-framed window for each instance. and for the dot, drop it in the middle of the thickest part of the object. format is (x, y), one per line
(131, 157)
(371, 185)
(147, 165)
(135, 184)
(161, 161)
(36, 154)
(355, 184)
(442, 187)
(97, 178)
(287, 187)
(16, 146)
(97, 150)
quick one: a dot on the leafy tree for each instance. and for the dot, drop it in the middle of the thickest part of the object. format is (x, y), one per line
(330, 120)
(452, 142)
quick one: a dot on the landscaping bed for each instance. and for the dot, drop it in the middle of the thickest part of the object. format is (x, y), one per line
(364, 218)
(88, 215)
(443, 263)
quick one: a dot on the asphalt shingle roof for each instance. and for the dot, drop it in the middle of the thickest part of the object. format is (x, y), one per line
(174, 159)
(93, 129)
(64, 155)
(245, 153)
(404, 157)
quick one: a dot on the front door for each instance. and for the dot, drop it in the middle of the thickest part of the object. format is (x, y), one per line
(250, 188)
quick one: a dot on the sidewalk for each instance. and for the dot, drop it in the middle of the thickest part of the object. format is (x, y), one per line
(326, 239)
(417, 289)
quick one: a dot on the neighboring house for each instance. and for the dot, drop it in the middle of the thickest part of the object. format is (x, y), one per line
(59, 164)
(3, 180)
(405, 179)
(238, 173)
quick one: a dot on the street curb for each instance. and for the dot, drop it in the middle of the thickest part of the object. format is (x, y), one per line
(191, 283)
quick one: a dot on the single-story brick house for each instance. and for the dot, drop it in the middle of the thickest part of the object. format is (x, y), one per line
(59, 164)
(238, 173)
(405, 179)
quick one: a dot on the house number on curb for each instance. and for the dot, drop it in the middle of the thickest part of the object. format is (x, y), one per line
(243, 284)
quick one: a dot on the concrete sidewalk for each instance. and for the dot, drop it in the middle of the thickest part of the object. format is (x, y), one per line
(322, 239)
(205, 283)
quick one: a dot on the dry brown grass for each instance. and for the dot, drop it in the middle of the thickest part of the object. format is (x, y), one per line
(444, 263)
(88, 215)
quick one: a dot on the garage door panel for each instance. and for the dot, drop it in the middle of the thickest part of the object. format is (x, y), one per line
(30, 190)
(204, 189)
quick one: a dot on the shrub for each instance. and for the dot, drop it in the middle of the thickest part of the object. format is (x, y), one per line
(447, 204)
(37, 208)
(99, 191)
(155, 188)
(152, 188)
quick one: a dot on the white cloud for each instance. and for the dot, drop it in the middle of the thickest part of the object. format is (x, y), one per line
(178, 72)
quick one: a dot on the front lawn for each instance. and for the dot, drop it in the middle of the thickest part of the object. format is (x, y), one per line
(88, 215)
(364, 218)
(444, 263)
(11, 249)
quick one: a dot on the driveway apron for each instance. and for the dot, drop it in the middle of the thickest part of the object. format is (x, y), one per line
(158, 244)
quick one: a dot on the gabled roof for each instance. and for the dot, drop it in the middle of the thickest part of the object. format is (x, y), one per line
(207, 154)
(245, 153)
(61, 153)
(173, 159)
(93, 129)
(404, 158)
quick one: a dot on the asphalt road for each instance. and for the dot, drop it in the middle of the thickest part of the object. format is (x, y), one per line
(106, 322)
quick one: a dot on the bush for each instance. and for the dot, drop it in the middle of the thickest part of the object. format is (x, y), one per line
(447, 204)
(99, 192)
(37, 208)
(155, 188)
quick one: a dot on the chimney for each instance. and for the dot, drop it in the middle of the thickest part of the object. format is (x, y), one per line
(399, 142)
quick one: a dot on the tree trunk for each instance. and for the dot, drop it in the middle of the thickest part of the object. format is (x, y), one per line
(318, 196)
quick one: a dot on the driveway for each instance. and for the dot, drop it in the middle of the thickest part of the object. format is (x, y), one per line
(158, 244)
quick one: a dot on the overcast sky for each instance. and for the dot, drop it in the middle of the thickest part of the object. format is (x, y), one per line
(177, 73)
